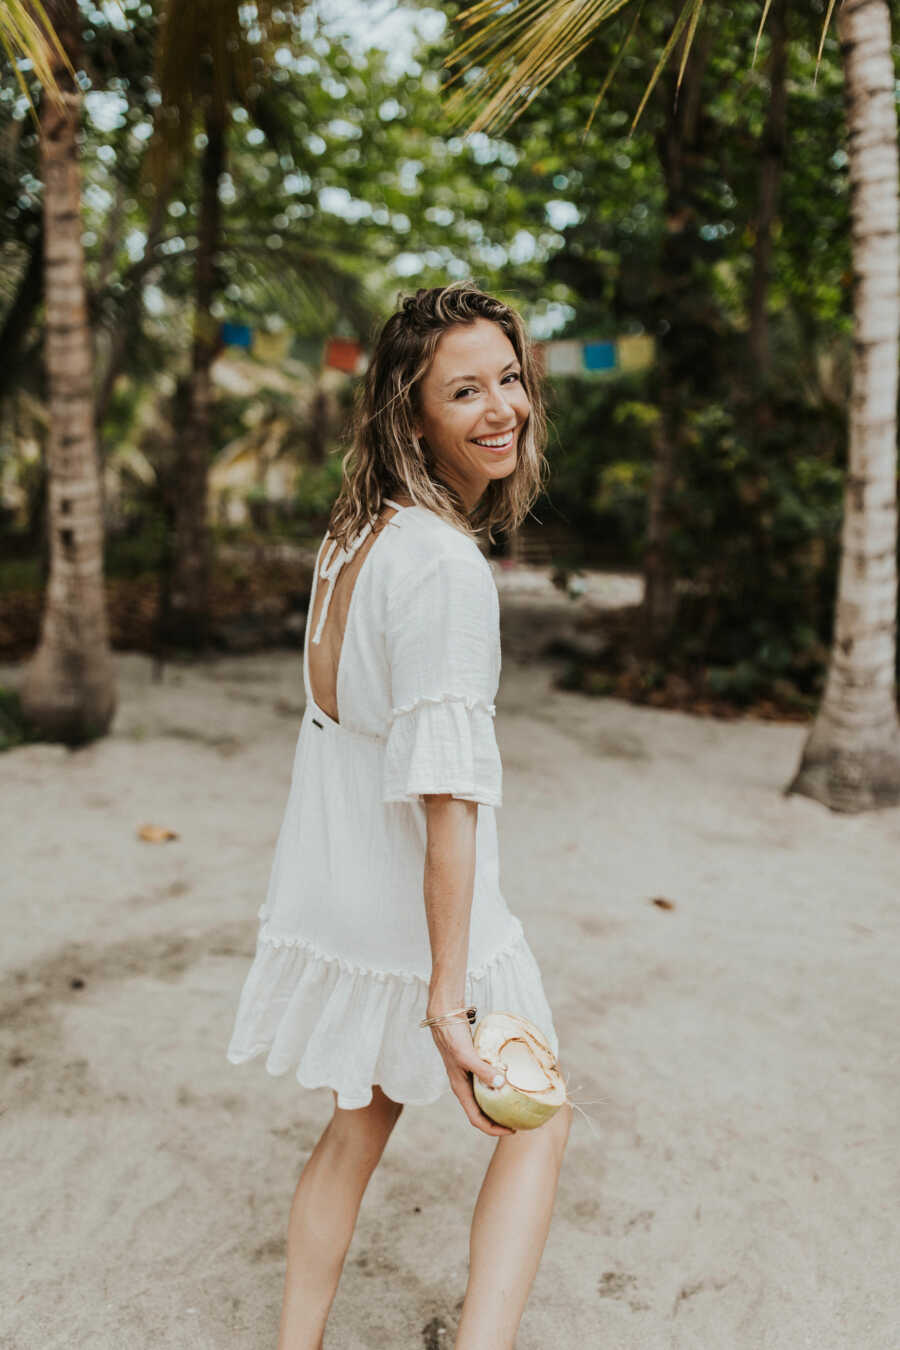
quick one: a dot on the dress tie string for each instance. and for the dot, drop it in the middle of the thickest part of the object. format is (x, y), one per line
(334, 561)
(331, 565)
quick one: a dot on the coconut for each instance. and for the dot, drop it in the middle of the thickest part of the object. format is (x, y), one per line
(533, 1089)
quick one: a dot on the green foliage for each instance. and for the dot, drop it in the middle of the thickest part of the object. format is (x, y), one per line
(20, 574)
(317, 488)
(139, 549)
(346, 184)
(756, 514)
(600, 452)
(756, 505)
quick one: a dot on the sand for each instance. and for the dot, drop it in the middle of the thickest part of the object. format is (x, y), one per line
(738, 1186)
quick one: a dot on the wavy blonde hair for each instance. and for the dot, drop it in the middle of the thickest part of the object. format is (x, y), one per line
(384, 455)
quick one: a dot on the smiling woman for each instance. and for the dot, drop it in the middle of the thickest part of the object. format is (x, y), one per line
(385, 920)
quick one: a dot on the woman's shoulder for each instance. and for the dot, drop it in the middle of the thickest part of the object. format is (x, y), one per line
(425, 539)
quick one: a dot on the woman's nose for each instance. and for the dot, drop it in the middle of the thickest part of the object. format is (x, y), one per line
(500, 406)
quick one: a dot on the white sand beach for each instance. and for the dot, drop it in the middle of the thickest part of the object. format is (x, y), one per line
(737, 1053)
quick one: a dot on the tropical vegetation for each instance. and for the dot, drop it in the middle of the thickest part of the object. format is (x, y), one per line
(723, 184)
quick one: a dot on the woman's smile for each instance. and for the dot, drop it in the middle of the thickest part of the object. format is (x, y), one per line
(501, 442)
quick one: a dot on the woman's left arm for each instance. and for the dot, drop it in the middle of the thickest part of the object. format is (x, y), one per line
(449, 885)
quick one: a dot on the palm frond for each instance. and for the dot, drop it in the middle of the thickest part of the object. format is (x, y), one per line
(825, 26)
(759, 32)
(514, 53)
(692, 28)
(317, 278)
(613, 68)
(689, 16)
(26, 31)
(519, 52)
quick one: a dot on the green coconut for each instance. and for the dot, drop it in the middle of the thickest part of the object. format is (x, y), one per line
(533, 1089)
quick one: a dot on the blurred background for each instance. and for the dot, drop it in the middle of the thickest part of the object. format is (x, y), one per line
(688, 282)
(197, 244)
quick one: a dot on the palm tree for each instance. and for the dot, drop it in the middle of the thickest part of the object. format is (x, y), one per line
(68, 687)
(771, 168)
(205, 63)
(851, 760)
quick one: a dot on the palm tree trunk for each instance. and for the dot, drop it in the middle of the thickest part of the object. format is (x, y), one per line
(659, 605)
(674, 303)
(188, 620)
(770, 172)
(68, 688)
(851, 760)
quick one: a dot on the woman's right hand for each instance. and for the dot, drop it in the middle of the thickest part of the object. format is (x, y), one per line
(454, 1041)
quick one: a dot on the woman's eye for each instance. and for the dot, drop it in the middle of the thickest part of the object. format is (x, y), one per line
(513, 375)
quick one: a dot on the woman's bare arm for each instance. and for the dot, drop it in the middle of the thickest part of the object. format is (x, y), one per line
(449, 886)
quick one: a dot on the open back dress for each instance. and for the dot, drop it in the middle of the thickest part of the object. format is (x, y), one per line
(339, 980)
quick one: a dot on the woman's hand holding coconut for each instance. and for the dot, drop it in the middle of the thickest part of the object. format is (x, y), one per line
(454, 1041)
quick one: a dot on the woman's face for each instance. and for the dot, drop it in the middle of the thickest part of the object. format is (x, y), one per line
(473, 407)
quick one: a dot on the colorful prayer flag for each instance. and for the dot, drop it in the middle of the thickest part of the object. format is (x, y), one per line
(563, 357)
(236, 335)
(271, 347)
(636, 352)
(600, 356)
(343, 354)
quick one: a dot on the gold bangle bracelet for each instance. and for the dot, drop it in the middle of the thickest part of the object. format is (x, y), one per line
(457, 1014)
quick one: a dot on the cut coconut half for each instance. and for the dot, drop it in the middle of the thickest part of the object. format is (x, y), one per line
(533, 1089)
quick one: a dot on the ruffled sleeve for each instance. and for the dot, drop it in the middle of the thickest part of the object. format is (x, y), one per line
(443, 645)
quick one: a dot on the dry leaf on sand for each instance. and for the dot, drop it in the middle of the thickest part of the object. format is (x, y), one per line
(155, 834)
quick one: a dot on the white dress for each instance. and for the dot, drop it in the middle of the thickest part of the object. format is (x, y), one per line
(340, 978)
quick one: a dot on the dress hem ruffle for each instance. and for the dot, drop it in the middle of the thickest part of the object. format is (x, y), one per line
(345, 1102)
(404, 976)
(344, 1027)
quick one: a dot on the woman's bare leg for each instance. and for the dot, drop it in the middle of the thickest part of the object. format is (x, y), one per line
(509, 1229)
(323, 1215)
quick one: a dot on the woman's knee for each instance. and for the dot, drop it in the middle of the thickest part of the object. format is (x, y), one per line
(555, 1131)
(550, 1138)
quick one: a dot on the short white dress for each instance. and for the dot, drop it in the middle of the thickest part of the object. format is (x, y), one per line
(339, 981)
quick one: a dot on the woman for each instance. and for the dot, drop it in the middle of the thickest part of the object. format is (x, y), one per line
(384, 905)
